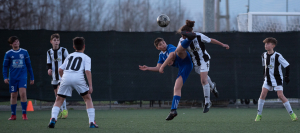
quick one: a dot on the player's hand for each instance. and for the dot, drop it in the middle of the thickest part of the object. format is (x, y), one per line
(31, 82)
(90, 89)
(49, 72)
(226, 46)
(287, 80)
(161, 70)
(143, 68)
(6, 81)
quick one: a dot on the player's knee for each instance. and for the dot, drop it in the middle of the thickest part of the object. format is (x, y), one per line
(14, 95)
(204, 81)
(280, 96)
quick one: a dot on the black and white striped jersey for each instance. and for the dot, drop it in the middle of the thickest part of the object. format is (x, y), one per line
(55, 58)
(197, 49)
(272, 64)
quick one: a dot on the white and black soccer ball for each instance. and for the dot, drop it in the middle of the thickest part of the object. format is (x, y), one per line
(163, 20)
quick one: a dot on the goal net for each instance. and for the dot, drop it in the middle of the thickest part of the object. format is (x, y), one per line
(269, 21)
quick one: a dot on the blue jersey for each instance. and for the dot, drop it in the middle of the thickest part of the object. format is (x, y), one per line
(164, 55)
(18, 62)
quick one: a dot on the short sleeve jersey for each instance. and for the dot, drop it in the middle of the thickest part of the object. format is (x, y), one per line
(76, 64)
(164, 55)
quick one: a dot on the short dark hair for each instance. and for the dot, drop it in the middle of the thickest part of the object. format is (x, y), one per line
(79, 42)
(56, 35)
(12, 39)
(270, 40)
(157, 41)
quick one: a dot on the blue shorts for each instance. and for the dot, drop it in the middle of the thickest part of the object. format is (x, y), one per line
(14, 85)
(185, 66)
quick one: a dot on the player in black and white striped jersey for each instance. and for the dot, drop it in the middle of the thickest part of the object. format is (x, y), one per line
(201, 59)
(55, 58)
(272, 62)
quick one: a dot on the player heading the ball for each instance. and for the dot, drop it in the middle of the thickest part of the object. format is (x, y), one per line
(201, 60)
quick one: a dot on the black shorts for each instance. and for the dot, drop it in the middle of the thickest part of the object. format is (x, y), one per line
(55, 86)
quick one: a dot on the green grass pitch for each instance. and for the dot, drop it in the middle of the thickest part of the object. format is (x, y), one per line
(219, 120)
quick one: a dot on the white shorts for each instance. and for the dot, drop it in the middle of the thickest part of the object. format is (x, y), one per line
(271, 88)
(55, 82)
(68, 85)
(204, 67)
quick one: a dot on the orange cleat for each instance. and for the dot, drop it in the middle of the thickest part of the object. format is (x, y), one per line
(24, 116)
(13, 117)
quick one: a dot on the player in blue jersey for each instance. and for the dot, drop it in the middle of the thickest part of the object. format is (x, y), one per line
(176, 57)
(18, 62)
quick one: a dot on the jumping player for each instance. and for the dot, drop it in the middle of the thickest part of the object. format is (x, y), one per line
(18, 62)
(201, 61)
(55, 58)
(176, 57)
(72, 73)
(272, 62)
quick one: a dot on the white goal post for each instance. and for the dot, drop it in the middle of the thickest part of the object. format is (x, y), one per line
(269, 21)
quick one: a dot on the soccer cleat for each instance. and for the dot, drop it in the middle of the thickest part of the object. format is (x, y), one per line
(93, 125)
(52, 123)
(294, 117)
(13, 117)
(189, 35)
(172, 115)
(258, 118)
(24, 116)
(64, 114)
(206, 107)
(59, 115)
(214, 90)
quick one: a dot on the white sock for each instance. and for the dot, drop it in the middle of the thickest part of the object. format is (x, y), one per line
(288, 107)
(210, 82)
(54, 112)
(65, 105)
(62, 107)
(206, 91)
(91, 114)
(260, 106)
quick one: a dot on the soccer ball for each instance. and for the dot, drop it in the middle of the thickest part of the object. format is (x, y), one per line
(163, 20)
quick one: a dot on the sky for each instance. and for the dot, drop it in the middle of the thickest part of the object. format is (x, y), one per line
(195, 8)
(239, 6)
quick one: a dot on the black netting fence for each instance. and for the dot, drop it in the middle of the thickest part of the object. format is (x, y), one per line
(116, 56)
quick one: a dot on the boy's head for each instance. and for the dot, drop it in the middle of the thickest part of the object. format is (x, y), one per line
(55, 39)
(160, 44)
(270, 43)
(13, 41)
(79, 43)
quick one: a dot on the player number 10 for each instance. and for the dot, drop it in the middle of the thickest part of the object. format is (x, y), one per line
(77, 61)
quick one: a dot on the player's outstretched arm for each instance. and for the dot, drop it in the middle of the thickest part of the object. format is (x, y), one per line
(214, 41)
(89, 78)
(168, 61)
(146, 68)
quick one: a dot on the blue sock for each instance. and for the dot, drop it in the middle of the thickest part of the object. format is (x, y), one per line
(186, 43)
(13, 109)
(24, 107)
(175, 102)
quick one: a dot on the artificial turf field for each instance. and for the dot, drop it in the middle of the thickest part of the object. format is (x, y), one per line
(220, 120)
